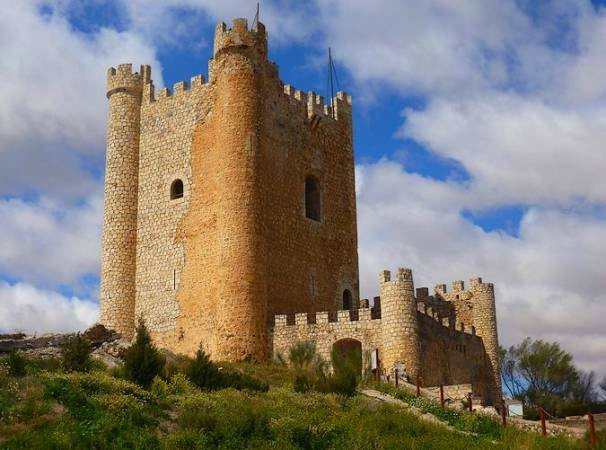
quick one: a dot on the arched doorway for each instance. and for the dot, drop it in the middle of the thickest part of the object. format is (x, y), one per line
(347, 353)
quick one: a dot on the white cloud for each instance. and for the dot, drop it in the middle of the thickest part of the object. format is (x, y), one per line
(163, 22)
(48, 243)
(518, 150)
(52, 102)
(26, 308)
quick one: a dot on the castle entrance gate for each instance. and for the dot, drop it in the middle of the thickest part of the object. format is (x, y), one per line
(350, 350)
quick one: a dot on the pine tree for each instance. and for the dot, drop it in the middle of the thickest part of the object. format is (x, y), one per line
(143, 361)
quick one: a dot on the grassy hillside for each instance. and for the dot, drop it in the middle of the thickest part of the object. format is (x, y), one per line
(49, 409)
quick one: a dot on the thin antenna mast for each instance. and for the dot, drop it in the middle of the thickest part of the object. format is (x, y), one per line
(331, 84)
(256, 19)
(332, 78)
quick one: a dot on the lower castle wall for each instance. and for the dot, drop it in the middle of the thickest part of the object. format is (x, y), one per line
(450, 356)
(325, 333)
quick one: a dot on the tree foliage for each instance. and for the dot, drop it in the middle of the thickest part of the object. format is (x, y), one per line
(543, 374)
(143, 362)
(603, 387)
(203, 372)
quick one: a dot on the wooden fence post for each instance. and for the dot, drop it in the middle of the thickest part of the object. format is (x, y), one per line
(592, 437)
(418, 386)
(543, 425)
(503, 413)
(442, 395)
(470, 400)
(396, 375)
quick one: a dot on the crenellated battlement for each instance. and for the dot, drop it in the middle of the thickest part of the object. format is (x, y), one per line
(315, 106)
(123, 79)
(424, 310)
(178, 91)
(240, 36)
(323, 318)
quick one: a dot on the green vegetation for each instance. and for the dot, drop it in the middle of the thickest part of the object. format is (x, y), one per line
(482, 425)
(311, 371)
(542, 374)
(51, 408)
(16, 364)
(206, 375)
(143, 362)
(76, 354)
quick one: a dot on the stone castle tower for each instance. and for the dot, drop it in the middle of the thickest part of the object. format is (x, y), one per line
(226, 202)
(230, 222)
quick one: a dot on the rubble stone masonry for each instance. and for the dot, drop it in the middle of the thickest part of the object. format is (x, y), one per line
(214, 264)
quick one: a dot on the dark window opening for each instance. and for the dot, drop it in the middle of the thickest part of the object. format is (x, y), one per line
(312, 199)
(347, 301)
(176, 189)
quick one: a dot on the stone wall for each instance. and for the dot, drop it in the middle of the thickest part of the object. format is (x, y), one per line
(350, 324)
(450, 356)
(214, 266)
(167, 124)
(408, 334)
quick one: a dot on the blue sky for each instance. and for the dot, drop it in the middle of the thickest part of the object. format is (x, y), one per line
(479, 130)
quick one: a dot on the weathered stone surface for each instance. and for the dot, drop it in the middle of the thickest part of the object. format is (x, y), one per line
(214, 265)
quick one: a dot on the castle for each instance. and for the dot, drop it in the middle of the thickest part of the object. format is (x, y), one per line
(230, 222)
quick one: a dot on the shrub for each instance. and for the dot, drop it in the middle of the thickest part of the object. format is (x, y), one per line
(17, 363)
(346, 372)
(203, 372)
(179, 384)
(76, 354)
(159, 387)
(311, 371)
(241, 381)
(206, 375)
(143, 362)
(308, 366)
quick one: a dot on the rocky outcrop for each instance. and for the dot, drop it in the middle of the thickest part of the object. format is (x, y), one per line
(108, 345)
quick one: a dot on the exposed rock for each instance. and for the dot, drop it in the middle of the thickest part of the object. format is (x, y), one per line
(107, 344)
(112, 353)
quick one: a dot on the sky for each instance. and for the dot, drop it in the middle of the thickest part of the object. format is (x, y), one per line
(479, 135)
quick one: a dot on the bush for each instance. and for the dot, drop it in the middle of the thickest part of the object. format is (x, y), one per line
(203, 372)
(346, 372)
(179, 384)
(241, 381)
(17, 363)
(143, 362)
(206, 375)
(76, 354)
(308, 366)
(311, 371)
(159, 388)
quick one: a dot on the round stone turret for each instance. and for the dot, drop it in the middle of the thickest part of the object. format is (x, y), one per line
(117, 292)
(399, 323)
(485, 322)
(239, 36)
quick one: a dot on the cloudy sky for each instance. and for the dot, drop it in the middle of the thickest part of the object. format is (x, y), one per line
(480, 138)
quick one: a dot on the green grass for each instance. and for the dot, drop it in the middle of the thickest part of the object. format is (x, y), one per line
(49, 409)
